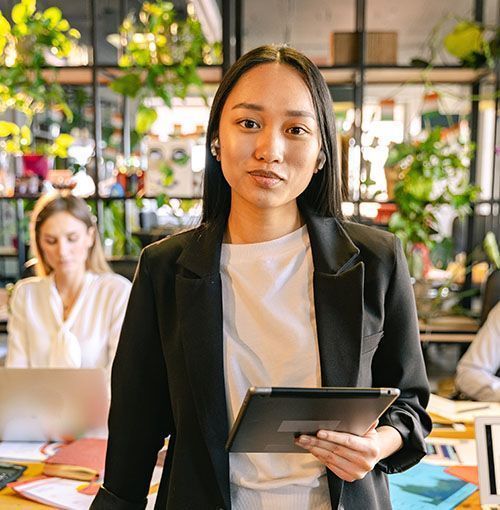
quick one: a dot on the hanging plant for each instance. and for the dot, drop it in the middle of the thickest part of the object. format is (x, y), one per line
(160, 55)
(474, 44)
(25, 43)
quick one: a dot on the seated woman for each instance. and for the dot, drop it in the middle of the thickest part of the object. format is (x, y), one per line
(478, 372)
(71, 313)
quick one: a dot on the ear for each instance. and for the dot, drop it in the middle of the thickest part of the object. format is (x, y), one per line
(320, 163)
(92, 232)
(215, 148)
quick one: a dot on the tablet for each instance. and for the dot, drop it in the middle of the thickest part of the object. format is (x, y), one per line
(270, 418)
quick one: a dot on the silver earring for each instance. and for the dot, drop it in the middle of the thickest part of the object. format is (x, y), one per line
(215, 147)
(321, 160)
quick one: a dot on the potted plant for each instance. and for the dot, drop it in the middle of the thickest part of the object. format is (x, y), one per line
(160, 55)
(434, 174)
(18, 141)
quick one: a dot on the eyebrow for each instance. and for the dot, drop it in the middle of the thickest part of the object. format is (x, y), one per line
(289, 113)
(66, 234)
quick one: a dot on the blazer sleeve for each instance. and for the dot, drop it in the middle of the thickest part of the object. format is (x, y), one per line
(140, 415)
(399, 363)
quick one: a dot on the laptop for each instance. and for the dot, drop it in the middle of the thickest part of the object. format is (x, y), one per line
(52, 404)
(488, 459)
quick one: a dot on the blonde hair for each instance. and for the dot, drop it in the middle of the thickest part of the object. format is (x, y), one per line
(52, 203)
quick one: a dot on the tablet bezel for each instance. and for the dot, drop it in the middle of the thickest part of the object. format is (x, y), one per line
(384, 396)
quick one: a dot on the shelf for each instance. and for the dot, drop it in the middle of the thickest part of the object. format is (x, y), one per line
(83, 75)
(406, 74)
(104, 199)
(8, 251)
(332, 74)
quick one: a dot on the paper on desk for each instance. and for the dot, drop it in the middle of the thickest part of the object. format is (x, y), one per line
(427, 487)
(14, 450)
(461, 410)
(57, 492)
(466, 473)
(452, 452)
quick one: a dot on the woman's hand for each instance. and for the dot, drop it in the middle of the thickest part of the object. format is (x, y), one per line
(349, 456)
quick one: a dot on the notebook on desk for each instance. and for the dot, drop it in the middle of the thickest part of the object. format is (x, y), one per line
(488, 459)
(56, 404)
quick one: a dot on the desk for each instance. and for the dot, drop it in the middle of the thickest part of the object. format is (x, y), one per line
(9, 500)
(451, 329)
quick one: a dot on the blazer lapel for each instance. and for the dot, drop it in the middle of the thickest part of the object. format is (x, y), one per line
(338, 298)
(199, 298)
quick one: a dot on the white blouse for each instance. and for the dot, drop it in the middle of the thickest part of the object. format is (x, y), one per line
(477, 368)
(39, 337)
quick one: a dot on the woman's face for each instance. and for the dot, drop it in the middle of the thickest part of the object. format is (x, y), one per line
(65, 242)
(269, 138)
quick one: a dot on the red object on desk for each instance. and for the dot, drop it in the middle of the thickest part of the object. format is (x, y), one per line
(83, 453)
(466, 473)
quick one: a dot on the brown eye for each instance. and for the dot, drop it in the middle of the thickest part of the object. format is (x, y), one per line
(297, 130)
(249, 124)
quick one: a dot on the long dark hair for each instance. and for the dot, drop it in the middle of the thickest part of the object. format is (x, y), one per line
(322, 195)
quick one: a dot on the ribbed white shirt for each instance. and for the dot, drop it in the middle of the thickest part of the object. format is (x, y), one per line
(39, 336)
(270, 339)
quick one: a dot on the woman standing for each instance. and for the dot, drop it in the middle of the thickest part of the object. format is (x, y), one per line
(71, 313)
(273, 289)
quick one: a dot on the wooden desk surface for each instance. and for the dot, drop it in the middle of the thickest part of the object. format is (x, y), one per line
(9, 500)
(471, 503)
(448, 329)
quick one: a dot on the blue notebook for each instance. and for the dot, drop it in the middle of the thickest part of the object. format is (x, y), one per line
(426, 487)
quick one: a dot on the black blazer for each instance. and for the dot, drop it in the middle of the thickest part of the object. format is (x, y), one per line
(168, 375)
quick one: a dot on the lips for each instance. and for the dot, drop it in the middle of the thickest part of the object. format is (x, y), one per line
(267, 174)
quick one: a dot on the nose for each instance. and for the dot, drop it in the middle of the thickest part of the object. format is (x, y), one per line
(62, 248)
(270, 147)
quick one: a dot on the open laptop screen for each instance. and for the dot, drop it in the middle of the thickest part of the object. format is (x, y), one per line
(488, 458)
(38, 404)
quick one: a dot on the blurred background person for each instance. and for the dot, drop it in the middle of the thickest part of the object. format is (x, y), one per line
(478, 372)
(71, 313)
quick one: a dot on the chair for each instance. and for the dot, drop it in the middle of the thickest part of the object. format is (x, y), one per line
(124, 266)
(491, 294)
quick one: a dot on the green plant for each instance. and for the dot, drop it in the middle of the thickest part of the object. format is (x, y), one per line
(18, 140)
(24, 45)
(474, 44)
(435, 174)
(113, 229)
(160, 56)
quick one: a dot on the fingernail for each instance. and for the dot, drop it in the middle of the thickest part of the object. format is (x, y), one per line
(322, 434)
(304, 440)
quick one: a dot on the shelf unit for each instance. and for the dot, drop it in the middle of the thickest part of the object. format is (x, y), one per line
(358, 76)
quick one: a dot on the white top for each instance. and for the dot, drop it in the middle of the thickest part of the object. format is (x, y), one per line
(477, 368)
(270, 339)
(39, 337)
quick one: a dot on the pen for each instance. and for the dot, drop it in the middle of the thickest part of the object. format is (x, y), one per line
(473, 409)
